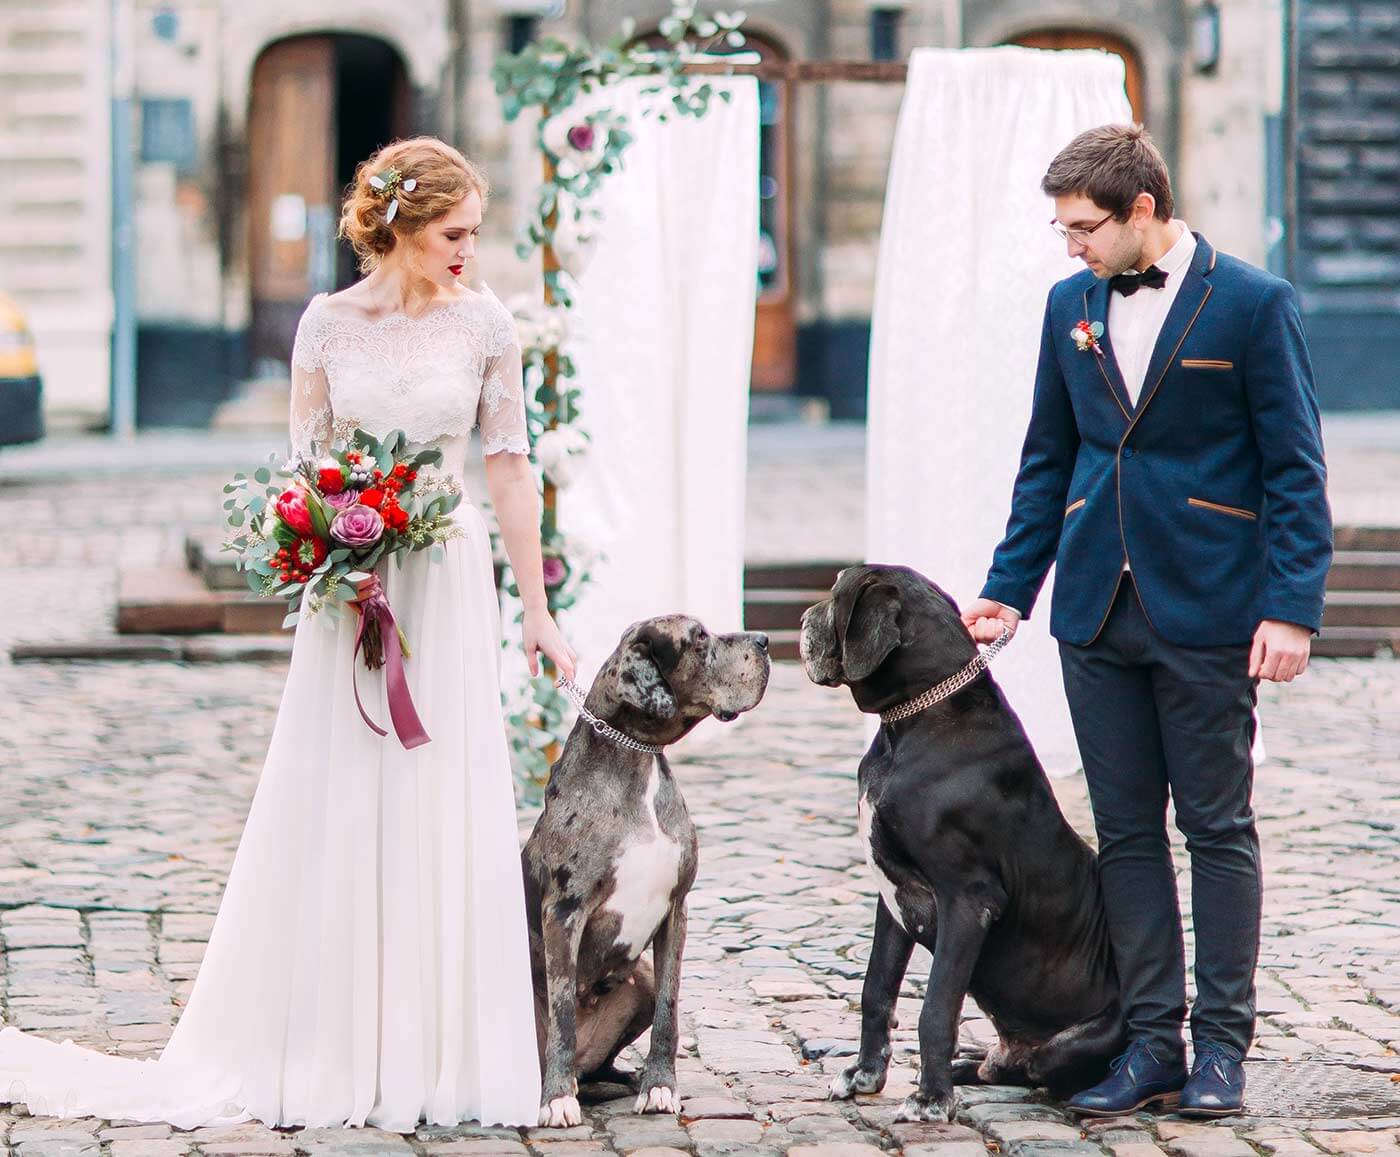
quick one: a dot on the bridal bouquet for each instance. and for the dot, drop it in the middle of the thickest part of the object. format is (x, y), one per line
(315, 534)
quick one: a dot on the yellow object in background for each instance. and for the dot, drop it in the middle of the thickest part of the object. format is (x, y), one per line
(21, 393)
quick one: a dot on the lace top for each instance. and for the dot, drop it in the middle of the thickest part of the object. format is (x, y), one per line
(434, 376)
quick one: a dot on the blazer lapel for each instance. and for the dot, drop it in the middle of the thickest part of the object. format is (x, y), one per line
(1190, 300)
(1096, 309)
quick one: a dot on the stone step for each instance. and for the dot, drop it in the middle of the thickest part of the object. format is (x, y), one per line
(167, 601)
(782, 645)
(1368, 538)
(806, 576)
(1357, 642)
(1362, 609)
(777, 609)
(1365, 570)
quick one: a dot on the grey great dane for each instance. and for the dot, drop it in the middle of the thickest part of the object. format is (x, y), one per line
(610, 862)
(972, 855)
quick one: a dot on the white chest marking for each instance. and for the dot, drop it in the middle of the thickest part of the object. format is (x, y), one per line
(864, 820)
(646, 874)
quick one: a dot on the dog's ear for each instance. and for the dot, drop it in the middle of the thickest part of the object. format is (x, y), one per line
(872, 631)
(641, 674)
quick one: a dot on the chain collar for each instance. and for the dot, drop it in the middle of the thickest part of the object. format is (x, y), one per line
(603, 728)
(951, 685)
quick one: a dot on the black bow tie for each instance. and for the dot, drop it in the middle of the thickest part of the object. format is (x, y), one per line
(1129, 283)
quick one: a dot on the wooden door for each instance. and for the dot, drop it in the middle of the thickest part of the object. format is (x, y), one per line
(291, 184)
(1070, 38)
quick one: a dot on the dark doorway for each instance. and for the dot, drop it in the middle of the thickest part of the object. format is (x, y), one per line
(319, 106)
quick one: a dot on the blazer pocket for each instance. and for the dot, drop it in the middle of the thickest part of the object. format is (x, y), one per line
(1206, 364)
(1073, 506)
(1236, 511)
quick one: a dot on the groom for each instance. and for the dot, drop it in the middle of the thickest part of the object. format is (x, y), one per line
(1173, 471)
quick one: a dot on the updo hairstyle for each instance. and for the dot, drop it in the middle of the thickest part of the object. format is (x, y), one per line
(442, 176)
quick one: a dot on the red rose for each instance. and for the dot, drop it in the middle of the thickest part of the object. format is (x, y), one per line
(372, 497)
(331, 480)
(291, 509)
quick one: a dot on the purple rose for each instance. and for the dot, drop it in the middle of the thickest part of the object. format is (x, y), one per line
(344, 500)
(555, 572)
(358, 526)
(582, 137)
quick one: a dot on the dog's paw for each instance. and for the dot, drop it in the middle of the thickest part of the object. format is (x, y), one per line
(938, 1110)
(659, 1099)
(853, 1079)
(561, 1113)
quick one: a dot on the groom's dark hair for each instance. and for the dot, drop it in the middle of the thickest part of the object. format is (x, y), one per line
(1112, 165)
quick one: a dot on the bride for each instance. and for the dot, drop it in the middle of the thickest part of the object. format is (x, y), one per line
(369, 963)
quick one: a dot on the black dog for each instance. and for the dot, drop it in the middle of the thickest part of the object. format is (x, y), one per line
(610, 861)
(974, 858)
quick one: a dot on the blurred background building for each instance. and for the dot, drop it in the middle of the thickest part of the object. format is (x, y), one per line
(172, 170)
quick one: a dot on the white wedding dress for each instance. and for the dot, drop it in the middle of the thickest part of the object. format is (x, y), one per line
(370, 962)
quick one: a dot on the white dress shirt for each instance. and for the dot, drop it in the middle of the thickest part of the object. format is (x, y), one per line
(1135, 322)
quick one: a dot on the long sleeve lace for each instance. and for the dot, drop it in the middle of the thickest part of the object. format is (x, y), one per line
(501, 412)
(311, 416)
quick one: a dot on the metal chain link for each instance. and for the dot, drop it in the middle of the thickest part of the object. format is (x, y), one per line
(951, 685)
(577, 695)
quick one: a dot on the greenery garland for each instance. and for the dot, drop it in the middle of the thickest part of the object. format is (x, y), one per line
(580, 153)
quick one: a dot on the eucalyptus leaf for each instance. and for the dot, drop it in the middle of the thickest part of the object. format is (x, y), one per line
(291, 620)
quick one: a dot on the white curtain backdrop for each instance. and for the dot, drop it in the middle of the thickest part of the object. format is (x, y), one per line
(966, 260)
(663, 340)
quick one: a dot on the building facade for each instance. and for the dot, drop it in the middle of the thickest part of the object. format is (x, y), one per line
(1279, 117)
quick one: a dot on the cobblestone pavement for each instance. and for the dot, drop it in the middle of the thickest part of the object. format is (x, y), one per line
(125, 787)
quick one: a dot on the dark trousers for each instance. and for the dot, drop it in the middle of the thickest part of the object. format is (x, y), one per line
(1153, 719)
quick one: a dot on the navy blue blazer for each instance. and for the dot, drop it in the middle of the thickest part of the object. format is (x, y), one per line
(1213, 488)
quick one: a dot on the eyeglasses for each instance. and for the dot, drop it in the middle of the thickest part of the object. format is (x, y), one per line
(1079, 236)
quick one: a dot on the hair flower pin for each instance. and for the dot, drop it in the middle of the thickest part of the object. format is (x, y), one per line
(388, 184)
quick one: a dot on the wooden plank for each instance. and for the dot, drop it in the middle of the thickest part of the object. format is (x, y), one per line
(809, 71)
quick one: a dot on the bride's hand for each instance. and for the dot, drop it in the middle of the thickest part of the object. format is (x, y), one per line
(542, 637)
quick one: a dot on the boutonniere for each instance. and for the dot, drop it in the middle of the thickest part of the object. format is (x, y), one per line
(1085, 336)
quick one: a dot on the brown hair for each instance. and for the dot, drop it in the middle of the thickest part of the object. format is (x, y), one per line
(1112, 165)
(443, 177)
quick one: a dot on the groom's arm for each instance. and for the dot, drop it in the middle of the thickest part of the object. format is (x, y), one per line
(1283, 412)
(1283, 408)
(1032, 535)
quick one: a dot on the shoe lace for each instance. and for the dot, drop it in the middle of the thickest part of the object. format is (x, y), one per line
(1209, 1054)
(1134, 1050)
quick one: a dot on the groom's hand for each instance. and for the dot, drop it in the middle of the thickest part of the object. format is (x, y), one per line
(985, 618)
(1280, 652)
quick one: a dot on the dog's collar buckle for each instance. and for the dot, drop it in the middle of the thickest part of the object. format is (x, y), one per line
(951, 685)
(601, 726)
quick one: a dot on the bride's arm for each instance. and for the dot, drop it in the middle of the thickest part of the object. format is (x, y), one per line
(510, 480)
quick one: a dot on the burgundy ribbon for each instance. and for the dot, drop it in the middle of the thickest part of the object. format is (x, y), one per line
(402, 714)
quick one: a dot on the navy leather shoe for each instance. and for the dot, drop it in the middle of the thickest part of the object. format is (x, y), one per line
(1136, 1079)
(1216, 1087)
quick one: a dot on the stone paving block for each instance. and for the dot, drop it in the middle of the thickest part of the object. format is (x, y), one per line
(980, 1116)
(696, 1108)
(719, 1131)
(477, 1147)
(1010, 1131)
(58, 1148)
(266, 1147)
(570, 1148)
(134, 1133)
(171, 1147)
(930, 1133)
(364, 1142)
(1053, 1148)
(836, 1149)
(659, 1151)
(1356, 1141)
